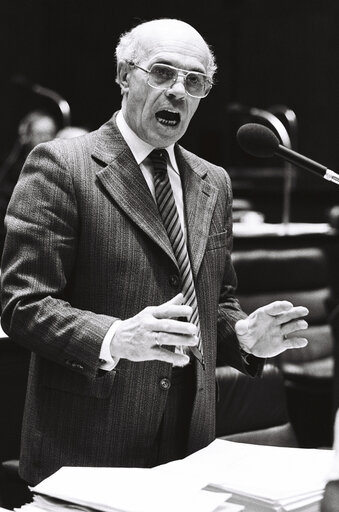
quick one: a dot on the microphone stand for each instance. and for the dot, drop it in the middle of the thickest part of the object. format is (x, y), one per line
(291, 120)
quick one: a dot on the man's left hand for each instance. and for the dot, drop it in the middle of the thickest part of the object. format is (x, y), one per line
(271, 329)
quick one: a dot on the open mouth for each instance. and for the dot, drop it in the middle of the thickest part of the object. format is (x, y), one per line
(168, 117)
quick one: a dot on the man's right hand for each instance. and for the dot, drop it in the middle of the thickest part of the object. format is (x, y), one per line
(141, 338)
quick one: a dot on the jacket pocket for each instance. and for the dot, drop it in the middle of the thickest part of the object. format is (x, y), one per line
(217, 241)
(59, 378)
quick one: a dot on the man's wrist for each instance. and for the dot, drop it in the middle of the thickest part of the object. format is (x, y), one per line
(245, 355)
(241, 330)
(106, 360)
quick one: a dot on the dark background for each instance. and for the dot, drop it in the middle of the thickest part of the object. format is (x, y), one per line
(268, 51)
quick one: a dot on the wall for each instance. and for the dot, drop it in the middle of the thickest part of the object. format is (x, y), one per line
(269, 52)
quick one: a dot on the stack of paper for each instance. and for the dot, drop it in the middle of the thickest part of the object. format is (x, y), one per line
(260, 478)
(263, 478)
(127, 490)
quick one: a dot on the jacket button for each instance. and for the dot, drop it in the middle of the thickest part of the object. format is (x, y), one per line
(174, 281)
(73, 364)
(165, 383)
(77, 366)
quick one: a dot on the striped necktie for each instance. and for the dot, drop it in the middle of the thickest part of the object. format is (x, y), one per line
(170, 218)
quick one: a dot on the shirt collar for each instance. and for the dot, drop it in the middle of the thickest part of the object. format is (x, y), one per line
(140, 149)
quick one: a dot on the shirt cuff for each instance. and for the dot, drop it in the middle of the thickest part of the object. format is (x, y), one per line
(107, 362)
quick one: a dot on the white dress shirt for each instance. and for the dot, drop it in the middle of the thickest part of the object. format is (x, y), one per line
(140, 150)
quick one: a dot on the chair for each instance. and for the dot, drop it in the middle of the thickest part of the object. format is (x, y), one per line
(300, 276)
(334, 320)
(253, 410)
(14, 362)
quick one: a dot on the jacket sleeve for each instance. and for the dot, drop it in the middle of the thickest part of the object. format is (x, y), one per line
(229, 309)
(39, 254)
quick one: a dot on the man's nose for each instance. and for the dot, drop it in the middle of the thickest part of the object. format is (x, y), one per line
(178, 88)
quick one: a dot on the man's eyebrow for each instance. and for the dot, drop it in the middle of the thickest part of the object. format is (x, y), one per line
(170, 63)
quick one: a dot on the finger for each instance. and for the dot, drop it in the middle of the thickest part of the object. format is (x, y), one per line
(295, 342)
(161, 354)
(172, 311)
(178, 299)
(176, 340)
(295, 312)
(277, 307)
(294, 325)
(169, 325)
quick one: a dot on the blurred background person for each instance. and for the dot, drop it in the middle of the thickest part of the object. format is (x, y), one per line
(35, 127)
(69, 132)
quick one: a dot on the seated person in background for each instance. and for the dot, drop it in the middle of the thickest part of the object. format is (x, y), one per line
(36, 127)
(109, 246)
(71, 131)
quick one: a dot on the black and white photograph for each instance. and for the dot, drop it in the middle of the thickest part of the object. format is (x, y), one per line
(169, 239)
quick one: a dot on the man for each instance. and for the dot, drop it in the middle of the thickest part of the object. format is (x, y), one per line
(95, 286)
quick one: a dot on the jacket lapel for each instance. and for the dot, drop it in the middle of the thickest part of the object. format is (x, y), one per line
(200, 198)
(125, 184)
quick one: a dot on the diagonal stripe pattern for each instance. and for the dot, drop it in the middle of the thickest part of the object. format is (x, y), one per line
(170, 218)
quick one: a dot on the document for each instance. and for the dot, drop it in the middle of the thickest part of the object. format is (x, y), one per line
(269, 471)
(131, 490)
(275, 477)
(263, 478)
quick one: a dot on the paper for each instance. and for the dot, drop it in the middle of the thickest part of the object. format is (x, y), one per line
(269, 472)
(130, 490)
(267, 477)
(42, 504)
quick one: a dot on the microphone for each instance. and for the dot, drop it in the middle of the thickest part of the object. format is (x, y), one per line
(260, 141)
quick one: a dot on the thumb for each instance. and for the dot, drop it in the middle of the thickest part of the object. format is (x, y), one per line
(241, 327)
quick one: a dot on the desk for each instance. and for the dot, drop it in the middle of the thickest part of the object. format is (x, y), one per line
(249, 236)
(292, 229)
(298, 236)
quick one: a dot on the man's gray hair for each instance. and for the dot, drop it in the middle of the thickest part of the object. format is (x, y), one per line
(129, 49)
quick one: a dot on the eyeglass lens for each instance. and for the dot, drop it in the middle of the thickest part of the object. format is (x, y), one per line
(163, 76)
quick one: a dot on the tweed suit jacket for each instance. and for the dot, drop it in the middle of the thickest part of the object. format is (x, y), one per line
(85, 245)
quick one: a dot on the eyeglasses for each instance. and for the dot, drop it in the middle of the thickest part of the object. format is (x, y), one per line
(164, 76)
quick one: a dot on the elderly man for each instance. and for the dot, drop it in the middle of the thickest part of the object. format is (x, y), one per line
(117, 275)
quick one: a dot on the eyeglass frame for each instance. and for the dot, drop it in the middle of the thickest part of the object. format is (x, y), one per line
(183, 72)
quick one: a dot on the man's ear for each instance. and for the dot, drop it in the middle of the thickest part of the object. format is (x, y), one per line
(123, 76)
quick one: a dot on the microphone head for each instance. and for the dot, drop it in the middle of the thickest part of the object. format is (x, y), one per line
(257, 140)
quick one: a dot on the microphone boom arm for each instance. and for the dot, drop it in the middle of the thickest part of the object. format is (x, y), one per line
(303, 161)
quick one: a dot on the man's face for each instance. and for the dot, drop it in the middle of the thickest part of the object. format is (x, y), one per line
(147, 110)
